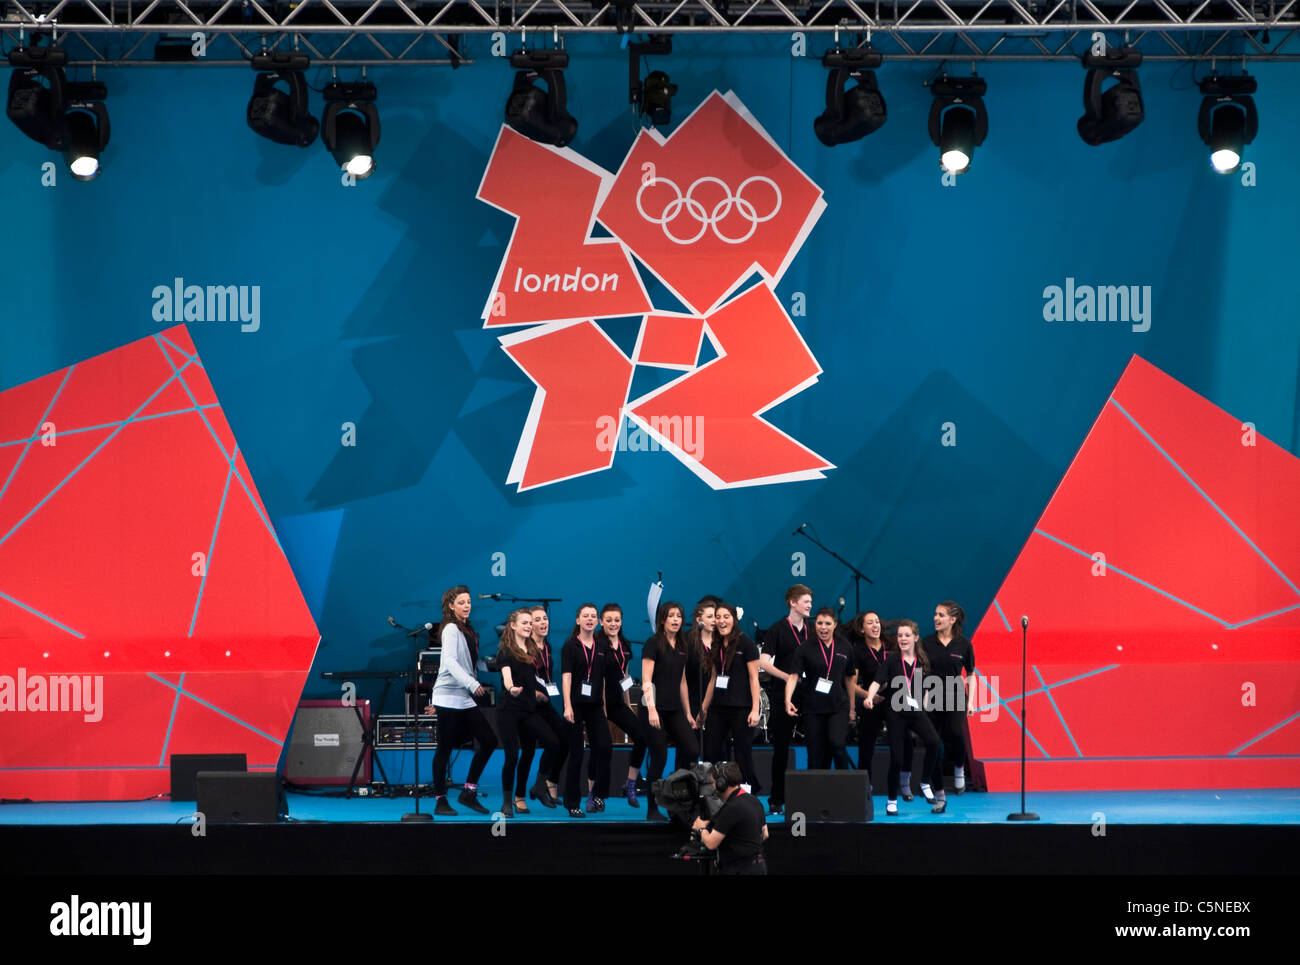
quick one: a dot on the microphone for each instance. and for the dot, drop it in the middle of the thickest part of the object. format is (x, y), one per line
(489, 596)
(799, 530)
(1024, 623)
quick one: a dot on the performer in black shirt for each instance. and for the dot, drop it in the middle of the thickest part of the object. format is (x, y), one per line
(902, 677)
(546, 788)
(869, 654)
(699, 657)
(665, 701)
(733, 712)
(950, 653)
(517, 712)
(582, 666)
(618, 707)
(826, 668)
(780, 644)
(738, 830)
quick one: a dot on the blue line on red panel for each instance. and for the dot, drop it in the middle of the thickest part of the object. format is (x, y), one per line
(1168, 757)
(222, 449)
(1028, 732)
(37, 613)
(1275, 727)
(176, 700)
(1060, 683)
(212, 545)
(998, 607)
(93, 453)
(193, 358)
(1052, 700)
(214, 707)
(110, 425)
(48, 408)
(1204, 495)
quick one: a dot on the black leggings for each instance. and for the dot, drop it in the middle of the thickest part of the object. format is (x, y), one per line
(514, 724)
(870, 724)
(781, 726)
(454, 728)
(672, 724)
(622, 716)
(725, 724)
(550, 770)
(900, 722)
(826, 735)
(950, 725)
(593, 716)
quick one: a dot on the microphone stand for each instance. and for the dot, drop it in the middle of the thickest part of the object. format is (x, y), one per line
(1022, 814)
(858, 575)
(416, 816)
(545, 601)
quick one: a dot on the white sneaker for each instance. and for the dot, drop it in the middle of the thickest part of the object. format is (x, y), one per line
(891, 808)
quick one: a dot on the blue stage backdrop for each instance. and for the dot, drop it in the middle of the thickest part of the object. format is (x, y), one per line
(380, 419)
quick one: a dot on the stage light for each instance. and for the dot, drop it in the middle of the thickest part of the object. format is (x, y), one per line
(67, 117)
(958, 121)
(274, 114)
(540, 115)
(350, 127)
(86, 137)
(35, 104)
(851, 113)
(653, 97)
(1228, 119)
(1111, 113)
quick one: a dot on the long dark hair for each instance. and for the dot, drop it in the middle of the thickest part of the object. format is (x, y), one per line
(957, 613)
(724, 647)
(694, 641)
(661, 635)
(449, 616)
(573, 634)
(510, 645)
(917, 650)
(622, 637)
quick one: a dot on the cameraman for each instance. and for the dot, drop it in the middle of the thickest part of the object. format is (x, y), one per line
(738, 830)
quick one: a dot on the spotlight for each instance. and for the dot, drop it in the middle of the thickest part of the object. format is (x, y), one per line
(1228, 120)
(958, 121)
(854, 112)
(1109, 115)
(86, 129)
(654, 95)
(276, 115)
(350, 127)
(540, 115)
(35, 104)
(62, 116)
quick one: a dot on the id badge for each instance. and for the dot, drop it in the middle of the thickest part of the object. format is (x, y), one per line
(586, 689)
(542, 683)
(626, 683)
(823, 685)
(552, 690)
(721, 682)
(912, 704)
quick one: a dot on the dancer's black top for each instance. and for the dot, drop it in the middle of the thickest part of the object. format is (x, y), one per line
(735, 667)
(781, 642)
(523, 673)
(899, 679)
(867, 661)
(697, 678)
(669, 664)
(949, 661)
(586, 666)
(618, 664)
(814, 661)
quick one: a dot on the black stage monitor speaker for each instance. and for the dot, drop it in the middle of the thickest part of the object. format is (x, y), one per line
(186, 766)
(225, 797)
(828, 796)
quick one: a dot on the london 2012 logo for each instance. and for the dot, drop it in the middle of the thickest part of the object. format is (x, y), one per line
(704, 211)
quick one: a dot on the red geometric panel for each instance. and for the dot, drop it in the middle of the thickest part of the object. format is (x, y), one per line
(146, 607)
(670, 341)
(1161, 585)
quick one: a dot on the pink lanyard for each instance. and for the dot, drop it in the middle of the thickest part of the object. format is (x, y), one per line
(829, 660)
(590, 657)
(546, 659)
(907, 675)
(617, 647)
(797, 641)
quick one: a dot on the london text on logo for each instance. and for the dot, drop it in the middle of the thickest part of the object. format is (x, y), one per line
(702, 210)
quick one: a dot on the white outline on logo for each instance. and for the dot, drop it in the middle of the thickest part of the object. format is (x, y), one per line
(720, 210)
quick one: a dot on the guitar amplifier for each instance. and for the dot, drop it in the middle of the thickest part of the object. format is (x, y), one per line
(325, 743)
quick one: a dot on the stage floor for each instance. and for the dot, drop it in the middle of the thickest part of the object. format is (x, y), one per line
(1225, 807)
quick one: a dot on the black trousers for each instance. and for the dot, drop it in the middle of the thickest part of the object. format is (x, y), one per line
(727, 724)
(916, 721)
(826, 736)
(550, 771)
(602, 748)
(514, 725)
(870, 724)
(621, 715)
(950, 725)
(454, 728)
(781, 727)
(672, 725)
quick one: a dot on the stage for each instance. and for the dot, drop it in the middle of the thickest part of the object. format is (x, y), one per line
(1143, 832)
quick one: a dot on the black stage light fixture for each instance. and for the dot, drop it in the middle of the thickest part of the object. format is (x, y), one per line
(851, 112)
(350, 126)
(1111, 113)
(958, 121)
(1228, 119)
(540, 115)
(653, 97)
(35, 103)
(86, 129)
(274, 114)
